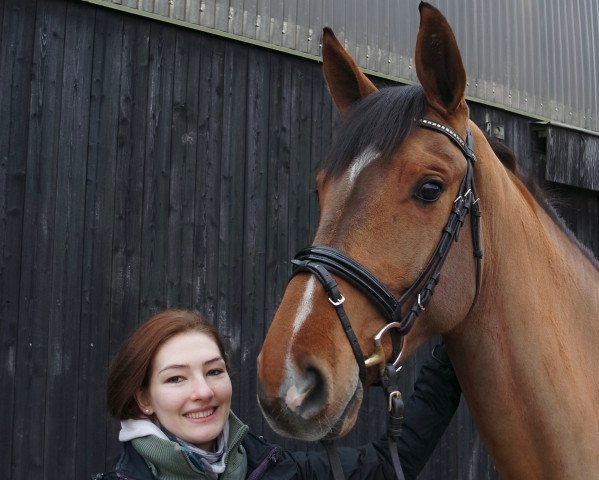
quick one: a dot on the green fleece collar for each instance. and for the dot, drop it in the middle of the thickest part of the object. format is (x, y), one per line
(168, 461)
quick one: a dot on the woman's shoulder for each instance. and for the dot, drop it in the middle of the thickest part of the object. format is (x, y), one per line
(129, 464)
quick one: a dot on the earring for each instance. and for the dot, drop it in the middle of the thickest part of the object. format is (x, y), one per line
(147, 410)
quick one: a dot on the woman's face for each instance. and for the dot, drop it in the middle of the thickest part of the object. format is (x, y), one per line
(190, 389)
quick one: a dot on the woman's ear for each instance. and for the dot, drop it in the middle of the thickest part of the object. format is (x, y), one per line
(143, 402)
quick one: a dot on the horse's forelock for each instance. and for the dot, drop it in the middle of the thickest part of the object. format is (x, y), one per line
(380, 122)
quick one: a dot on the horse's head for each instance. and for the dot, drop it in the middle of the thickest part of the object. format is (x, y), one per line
(386, 193)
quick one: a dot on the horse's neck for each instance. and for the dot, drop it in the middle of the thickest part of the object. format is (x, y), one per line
(528, 355)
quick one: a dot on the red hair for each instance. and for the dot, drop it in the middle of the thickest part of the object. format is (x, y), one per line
(131, 369)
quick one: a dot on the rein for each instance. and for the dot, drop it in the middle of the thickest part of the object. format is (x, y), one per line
(322, 261)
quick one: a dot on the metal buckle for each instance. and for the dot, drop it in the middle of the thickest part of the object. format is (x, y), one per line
(420, 304)
(336, 303)
(392, 395)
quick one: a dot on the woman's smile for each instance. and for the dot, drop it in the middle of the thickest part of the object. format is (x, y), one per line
(201, 415)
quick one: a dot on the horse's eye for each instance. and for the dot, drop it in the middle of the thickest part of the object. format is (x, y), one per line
(429, 192)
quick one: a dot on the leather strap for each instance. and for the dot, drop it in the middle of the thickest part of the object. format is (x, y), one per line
(336, 299)
(334, 460)
(464, 146)
(346, 267)
(395, 460)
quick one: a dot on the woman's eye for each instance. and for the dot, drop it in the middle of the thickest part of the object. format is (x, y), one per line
(215, 371)
(175, 379)
(429, 192)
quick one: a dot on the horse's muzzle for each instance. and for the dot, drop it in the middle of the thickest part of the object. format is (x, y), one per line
(305, 411)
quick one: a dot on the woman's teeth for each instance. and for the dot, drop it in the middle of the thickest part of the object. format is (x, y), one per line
(204, 414)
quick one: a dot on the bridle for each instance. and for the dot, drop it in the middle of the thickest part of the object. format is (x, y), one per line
(322, 261)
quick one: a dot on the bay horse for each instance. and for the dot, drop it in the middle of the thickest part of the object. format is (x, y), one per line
(521, 324)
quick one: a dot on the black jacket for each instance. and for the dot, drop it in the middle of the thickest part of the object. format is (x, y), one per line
(428, 411)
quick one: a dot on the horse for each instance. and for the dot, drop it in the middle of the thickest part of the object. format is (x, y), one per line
(520, 321)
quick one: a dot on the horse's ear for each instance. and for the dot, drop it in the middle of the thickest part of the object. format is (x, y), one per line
(344, 78)
(438, 61)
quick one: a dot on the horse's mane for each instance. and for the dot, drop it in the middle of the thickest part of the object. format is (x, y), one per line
(549, 204)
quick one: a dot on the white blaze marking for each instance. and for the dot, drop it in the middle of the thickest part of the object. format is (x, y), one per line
(305, 306)
(293, 376)
(292, 388)
(360, 162)
(296, 385)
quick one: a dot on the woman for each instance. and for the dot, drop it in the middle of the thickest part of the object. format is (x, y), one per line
(169, 386)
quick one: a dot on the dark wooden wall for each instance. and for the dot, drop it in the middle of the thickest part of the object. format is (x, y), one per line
(143, 165)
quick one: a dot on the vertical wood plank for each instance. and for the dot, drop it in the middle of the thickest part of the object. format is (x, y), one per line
(17, 34)
(60, 445)
(232, 174)
(129, 182)
(183, 173)
(210, 117)
(278, 181)
(36, 301)
(300, 173)
(156, 171)
(101, 301)
(252, 313)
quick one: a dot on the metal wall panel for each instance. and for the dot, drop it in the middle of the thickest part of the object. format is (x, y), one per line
(535, 57)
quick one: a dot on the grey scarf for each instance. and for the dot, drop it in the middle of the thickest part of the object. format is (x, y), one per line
(213, 463)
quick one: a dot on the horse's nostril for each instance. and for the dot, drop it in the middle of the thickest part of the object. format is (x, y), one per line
(307, 397)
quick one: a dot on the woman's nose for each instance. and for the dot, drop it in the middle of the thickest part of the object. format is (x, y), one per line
(201, 390)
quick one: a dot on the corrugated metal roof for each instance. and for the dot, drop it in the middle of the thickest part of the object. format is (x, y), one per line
(536, 57)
